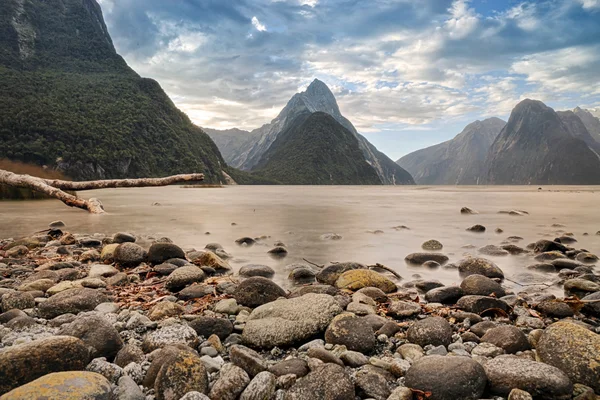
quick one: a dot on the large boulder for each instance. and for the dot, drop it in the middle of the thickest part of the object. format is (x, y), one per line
(161, 252)
(541, 380)
(23, 363)
(573, 349)
(256, 291)
(326, 382)
(435, 331)
(129, 254)
(96, 332)
(288, 321)
(351, 331)
(479, 266)
(361, 278)
(72, 385)
(509, 338)
(72, 301)
(447, 378)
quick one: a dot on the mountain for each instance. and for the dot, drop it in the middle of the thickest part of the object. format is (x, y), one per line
(537, 147)
(317, 97)
(69, 101)
(315, 149)
(232, 142)
(591, 122)
(577, 129)
(459, 161)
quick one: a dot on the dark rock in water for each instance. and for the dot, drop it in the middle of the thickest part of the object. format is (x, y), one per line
(587, 258)
(206, 326)
(565, 240)
(426, 286)
(327, 382)
(433, 330)
(213, 246)
(182, 374)
(431, 264)
(161, 252)
(72, 301)
(543, 267)
(492, 250)
(541, 380)
(509, 338)
(372, 385)
(96, 332)
(482, 286)
(23, 363)
(562, 263)
(330, 274)
(278, 252)
(573, 349)
(421, 258)
(432, 245)
(195, 291)
(231, 383)
(544, 246)
(479, 304)
(123, 237)
(61, 385)
(592, 308)
(556, 309)
(247, 359)
(353, 332)
(550, 256)
(302, 274)
(467, 210)
(256, 291)
(245, 241)
(477, 228)
(296, 366)
(514, 249)
(56, 225)
(256, 270)
(479, 266)
(580, 287)
(447, 378)
(444, 295)
(17, 300)
(357, 279)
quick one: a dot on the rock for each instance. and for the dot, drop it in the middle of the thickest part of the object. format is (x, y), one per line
(432, 245)
(587, 258)
(316, 289)
(376, 294)
(447, 378)
(302, 274)
(372, 385)
(509, 338)
(195, 291)
(444, 295)
(184, 276)
(165, 309)
(479, 266)
(295, 366)
(161, 252)
(72, 301)
(41, 285)
(401, 309)
(123, 237)
(467, 211)
(330, 274)
(169, 335)
(426, 286)
(360, 278)
(165, 268)
(129, 255)
(541, 380)
(128, 354)
(477, 228)
(17, 251)
(165, 356)
(96, 332)
(20, 364)
(411, 352)
(432, 330)
(227, 306)
(262, 387)
(481, 285)
(182, 374)
(543, 246)
(562, 263)
(250, 270)
(326, 356)
(206, 326)
(514, 249)
(479, 304)
(278, 252)
(550, 256)
(555, 309)
(108, 370)
(580, 287)
(327, 382)
(330, 236)
(288, 321)
(518, 394)
(119, 279)
(210, 259)
(256, 291)
(247, 359)
(17, 300)
(62, 286)
(592, 308)
(573, 349)
(72, 385)
(231, 383)
(389, 329)
(401, 393)
(245, 241)
(108, 253)
(351, 331)
(10, 315)
(492, 250)
(487, 350)
(482, 327)
(421, 258)
(195, 395)
(127, 389)
(102, 271)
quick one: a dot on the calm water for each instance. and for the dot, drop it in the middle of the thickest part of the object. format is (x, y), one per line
(298, 216)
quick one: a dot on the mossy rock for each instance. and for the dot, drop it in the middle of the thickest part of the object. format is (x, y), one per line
(108, 253)
(360, 278)
(72, 385)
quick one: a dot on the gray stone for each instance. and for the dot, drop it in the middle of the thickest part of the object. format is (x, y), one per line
(351, 331)
(295, 366)
(444, 295)
(402, 309)
(169, 335)
(372, 385)
(184, 276)
(327, 382)
(231, 383)
(262, 387)
(509, 338)
(479, 266)
(481, 285)
(256, 291)
(72, 301)
(433, 330)
(354, 359)
(96, 332)
(129, 255)
(479, 304)
(123, 237)
(247, 359)
(127, 389)
(251, 270)
(421, 258)
(17, 300)
(128, 354)
(161, 252)
(206, 326)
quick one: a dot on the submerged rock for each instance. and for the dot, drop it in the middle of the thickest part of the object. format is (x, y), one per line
(479, 266)
(421, 258)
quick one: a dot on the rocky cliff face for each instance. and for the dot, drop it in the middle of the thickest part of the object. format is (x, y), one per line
(591, 122)
(537, 147)
(69, 101)
(316, 98)
(459, 161)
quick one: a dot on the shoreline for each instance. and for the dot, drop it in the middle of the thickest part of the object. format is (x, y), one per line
(175, 321)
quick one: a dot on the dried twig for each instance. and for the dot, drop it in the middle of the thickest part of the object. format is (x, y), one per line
(388, 269)
(312, 263)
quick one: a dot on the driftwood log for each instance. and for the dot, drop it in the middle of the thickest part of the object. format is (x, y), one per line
(54, 188)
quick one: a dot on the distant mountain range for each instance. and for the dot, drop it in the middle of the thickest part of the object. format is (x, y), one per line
(246, 150)
(536, 146)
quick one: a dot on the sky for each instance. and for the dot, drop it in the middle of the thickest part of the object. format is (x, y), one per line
(407, 73)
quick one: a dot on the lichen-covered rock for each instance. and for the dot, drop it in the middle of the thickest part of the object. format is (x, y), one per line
(330, 274)
(23, 363)
(432, 245)
(256, 291)
(231, 383)
(17, 300)
(169, 335)
(327, 382)
(573, 349)
(361, 278)
(288, 321)
(165, 309)
(108, 253)
(351, 331)
(72, 301)
(72, 385)
(209, 259)
(180, 375)
(262, 387)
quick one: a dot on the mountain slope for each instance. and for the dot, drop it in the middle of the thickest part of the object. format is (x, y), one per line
(536, 147)
(315, 149)
(69, 101)
(317, 97)
(459, 161)
(591, 122)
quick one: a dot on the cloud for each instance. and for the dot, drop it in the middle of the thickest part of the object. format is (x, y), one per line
(259, 27)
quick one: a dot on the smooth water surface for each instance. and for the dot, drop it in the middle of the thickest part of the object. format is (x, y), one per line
(299, 215)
